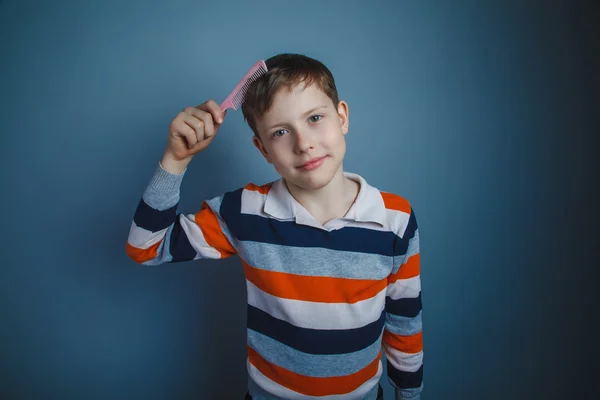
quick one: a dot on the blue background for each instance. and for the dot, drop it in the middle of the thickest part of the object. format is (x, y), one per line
(482, 115)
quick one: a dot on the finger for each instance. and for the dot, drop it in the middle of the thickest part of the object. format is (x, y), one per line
(202, 145)
(197, 125)
(214, 109)
(188, 134)
(207, 120)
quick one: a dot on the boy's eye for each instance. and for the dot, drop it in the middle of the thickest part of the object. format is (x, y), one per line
(315, 118)
(278, 133)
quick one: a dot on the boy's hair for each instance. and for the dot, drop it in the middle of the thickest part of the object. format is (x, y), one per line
(285, 71)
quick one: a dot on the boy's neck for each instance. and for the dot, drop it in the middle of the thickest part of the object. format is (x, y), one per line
(329, 202)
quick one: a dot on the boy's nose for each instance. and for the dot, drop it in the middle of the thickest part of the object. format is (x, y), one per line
(304, 142)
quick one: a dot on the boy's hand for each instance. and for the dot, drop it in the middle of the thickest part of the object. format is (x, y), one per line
(190, 132)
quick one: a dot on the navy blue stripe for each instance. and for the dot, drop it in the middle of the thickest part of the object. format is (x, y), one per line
(179, 245)
(254, 228)
(154, 220)
(411, 227)
(403, 379)
(315, 341)
(409, 307)
(401, 244)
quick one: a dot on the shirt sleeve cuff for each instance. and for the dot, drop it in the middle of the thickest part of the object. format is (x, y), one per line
(163, 190)
(400, 395)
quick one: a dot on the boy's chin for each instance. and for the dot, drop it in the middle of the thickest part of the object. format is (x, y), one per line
(311, 181)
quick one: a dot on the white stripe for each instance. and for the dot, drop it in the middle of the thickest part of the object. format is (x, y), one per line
(403, 361)
(405, 288)
(317, 315)
(398, 221)
(281, 391)
(142, 238)
(196, 238)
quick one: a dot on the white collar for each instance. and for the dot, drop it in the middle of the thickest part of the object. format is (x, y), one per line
(368, 206)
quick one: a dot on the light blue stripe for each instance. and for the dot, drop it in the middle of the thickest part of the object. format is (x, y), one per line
(258, 393)
(316, 261)
(413, 245)
(215, 204)
(315, 365)
(404, 326)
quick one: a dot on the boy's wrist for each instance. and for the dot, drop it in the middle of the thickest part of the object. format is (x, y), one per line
(173, 166)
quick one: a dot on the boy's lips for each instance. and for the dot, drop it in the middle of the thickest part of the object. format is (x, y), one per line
(312, 163)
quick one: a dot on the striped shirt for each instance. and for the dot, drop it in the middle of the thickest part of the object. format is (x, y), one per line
(324, 301)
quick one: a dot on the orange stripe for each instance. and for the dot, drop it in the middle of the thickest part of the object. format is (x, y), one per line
(313, 386)
(211, 229)
(141, 255)
(410, 269)
(264, 189)
(395, 202)
(406, 344)
(323, 289)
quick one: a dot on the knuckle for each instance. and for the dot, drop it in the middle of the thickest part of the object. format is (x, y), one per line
(207, 119)
(200, 114)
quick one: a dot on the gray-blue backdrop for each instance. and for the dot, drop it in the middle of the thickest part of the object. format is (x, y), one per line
(481, 115)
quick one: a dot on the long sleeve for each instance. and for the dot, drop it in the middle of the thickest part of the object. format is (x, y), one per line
(159, 234)
(402, 338)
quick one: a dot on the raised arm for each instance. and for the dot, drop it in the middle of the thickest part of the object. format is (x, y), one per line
(158, 233)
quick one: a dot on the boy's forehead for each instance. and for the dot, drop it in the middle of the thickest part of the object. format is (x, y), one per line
(294, 101)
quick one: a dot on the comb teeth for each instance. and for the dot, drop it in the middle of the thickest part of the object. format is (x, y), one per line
(236, 97)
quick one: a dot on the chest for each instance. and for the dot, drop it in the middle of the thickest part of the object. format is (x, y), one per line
(346, 253)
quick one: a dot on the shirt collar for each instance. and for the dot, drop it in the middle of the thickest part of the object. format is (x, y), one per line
(368, 206)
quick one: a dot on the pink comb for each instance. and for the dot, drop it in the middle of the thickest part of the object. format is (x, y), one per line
(236, 98)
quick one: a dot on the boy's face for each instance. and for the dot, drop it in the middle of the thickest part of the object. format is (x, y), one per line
(303, 125)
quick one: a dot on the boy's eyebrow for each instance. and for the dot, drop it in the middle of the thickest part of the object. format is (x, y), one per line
(303, 115)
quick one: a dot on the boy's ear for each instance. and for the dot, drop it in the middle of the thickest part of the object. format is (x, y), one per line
(342, 110)
(261, 147)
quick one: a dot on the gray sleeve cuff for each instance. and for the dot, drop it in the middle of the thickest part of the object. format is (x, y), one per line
(163, 190)
(400, 396)
(408, 394)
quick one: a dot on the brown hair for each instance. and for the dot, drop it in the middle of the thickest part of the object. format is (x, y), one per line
(285, 71)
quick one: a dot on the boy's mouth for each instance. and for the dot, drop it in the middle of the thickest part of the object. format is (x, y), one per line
(312, 163)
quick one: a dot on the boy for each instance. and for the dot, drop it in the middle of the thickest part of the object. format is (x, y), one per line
(331, 263)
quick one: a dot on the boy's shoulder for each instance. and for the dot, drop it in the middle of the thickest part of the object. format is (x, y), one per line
(391, 201)
(395, 202)
(250, 187)
(263, 189)
(249, 197)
